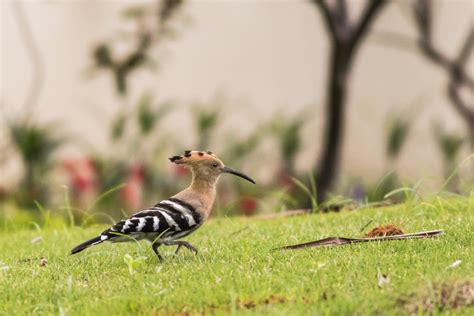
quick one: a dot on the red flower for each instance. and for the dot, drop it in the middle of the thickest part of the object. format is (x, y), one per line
(248, 205)
(132, 192)
(137, 172)
(82, 175)
(284, 179)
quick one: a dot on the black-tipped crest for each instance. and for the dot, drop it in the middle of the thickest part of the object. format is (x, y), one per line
(191, 157)
(175, 158)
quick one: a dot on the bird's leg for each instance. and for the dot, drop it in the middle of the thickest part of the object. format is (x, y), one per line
(181, 243)
(155, 246)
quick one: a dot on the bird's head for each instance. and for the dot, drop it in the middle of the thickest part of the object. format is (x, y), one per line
(205, 165)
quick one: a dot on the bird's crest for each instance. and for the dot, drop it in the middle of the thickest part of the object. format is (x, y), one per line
(193, 156)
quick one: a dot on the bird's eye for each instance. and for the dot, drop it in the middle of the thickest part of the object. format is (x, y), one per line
(215, 165)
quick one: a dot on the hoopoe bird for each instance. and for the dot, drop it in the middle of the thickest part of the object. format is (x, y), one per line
(176, 217)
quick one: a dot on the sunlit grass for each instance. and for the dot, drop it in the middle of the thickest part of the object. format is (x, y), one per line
(236, 270)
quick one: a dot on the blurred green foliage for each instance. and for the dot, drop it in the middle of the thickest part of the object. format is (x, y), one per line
(397, 133)
(287, 134)
(118, 126)
(148, 116)
(449, 146)
(35, 145)
(206, 120)
(152, 25)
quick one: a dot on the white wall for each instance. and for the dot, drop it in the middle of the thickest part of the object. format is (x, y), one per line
(264, 56)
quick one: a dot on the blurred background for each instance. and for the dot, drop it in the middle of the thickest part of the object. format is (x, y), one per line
(323, 102)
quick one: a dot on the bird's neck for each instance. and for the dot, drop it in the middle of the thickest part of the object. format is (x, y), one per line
(201, 193)
(203, 184)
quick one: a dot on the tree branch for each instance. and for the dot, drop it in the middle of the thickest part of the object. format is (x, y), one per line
(458, 76)
(371, 9)
(466, 48)
(422, 13)
(433, 54)
(459, 104)
(341, 17)
(454, 67)
(328, 18)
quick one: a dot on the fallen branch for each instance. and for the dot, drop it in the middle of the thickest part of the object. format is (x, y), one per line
(337, 241)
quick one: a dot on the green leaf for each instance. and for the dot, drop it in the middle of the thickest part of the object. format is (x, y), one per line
(449, 144)
(102, 55)
(118, 127)
(398, 130)
(145, 115)
(34, 143)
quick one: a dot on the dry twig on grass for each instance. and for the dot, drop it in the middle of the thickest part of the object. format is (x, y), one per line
(337, 241)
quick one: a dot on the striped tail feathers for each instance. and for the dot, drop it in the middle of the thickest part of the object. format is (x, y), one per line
(87, 244)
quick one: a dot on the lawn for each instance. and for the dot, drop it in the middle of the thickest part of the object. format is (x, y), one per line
(236, 271)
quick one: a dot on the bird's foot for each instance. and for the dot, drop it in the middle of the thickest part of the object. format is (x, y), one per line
(155, 246)
(181, 243)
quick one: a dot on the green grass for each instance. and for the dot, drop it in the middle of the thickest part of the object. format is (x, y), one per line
(236, 270)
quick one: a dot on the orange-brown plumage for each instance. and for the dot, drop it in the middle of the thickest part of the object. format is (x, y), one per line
(206, 169)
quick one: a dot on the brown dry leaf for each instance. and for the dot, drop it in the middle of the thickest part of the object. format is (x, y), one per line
(387, 230)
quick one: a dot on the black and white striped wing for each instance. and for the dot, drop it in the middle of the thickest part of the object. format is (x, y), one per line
(171, 218)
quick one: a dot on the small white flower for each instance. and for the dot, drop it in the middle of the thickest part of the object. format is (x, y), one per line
(218, 280)
(37, 240)
(382, 279)
(4, 267)
(69, 284)
(321, 265)
(455, 264)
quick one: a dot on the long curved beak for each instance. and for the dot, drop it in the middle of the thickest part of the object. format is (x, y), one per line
(238, 173)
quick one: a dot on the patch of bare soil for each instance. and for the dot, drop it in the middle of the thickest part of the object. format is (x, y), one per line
(272, 299)
(241, 304)
(443, 297)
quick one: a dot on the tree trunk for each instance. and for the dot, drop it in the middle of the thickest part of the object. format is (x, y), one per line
(346, 37)
(327, 167)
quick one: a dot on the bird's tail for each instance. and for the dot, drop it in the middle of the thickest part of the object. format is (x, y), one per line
(87, 244)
